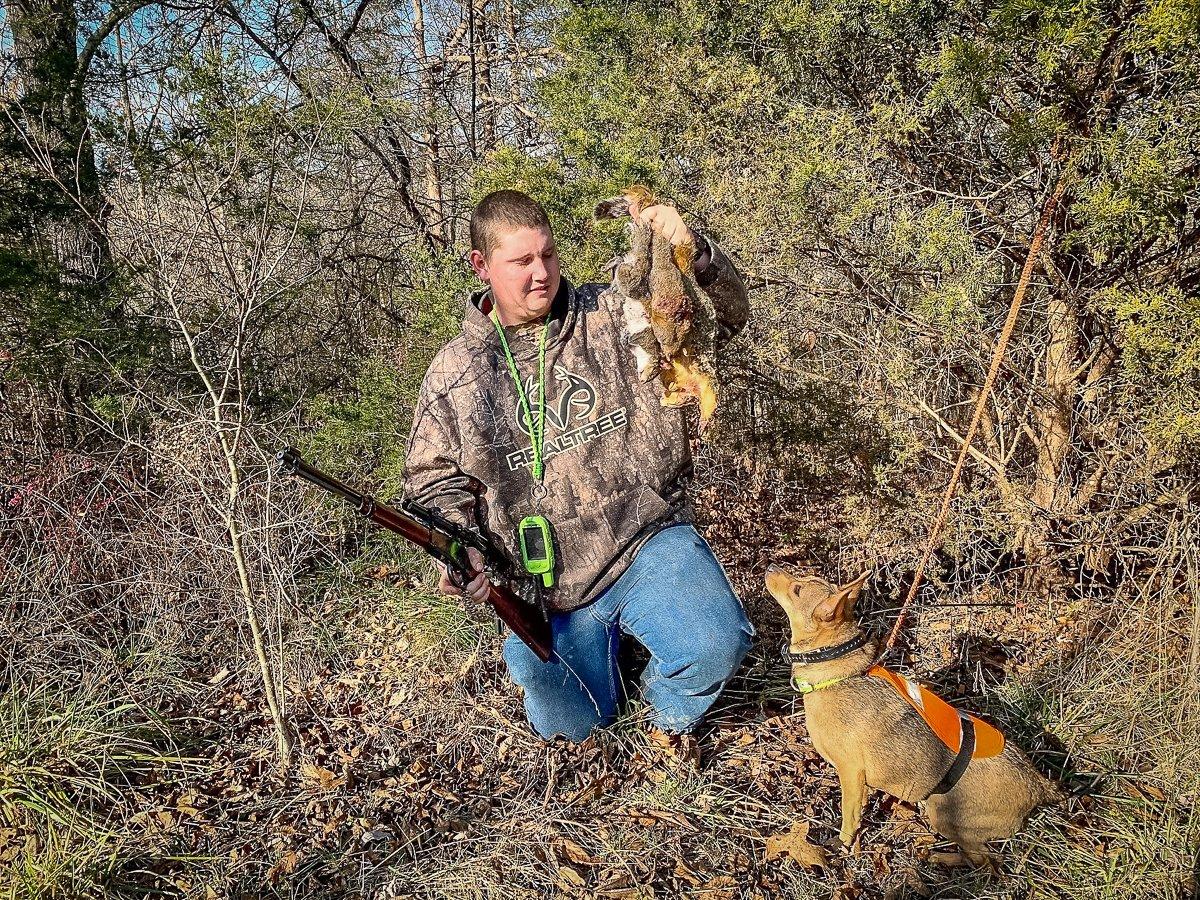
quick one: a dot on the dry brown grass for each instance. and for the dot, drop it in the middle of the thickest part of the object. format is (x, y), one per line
(417, 777)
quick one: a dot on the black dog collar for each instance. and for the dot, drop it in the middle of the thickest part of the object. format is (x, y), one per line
(825, 653)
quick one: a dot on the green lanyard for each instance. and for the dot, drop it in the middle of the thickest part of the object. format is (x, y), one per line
(537, 428)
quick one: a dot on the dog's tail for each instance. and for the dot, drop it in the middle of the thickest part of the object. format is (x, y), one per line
(1052, 793)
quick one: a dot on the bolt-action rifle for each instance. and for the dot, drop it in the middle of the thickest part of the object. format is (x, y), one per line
(447, 543)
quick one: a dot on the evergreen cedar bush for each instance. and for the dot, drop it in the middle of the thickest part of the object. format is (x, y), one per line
(878, 169)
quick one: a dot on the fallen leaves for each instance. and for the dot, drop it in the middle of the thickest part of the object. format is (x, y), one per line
(1140, 790)
(285, 865)
(569, 878)
(573, 852)
(321, 778)
(723, 887)
(405, 769)
(796, 845)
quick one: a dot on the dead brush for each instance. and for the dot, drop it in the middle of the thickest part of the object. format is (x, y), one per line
(417, 776)
(1124, 694)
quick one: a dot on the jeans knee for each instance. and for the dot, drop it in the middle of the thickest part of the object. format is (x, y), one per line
(556, 704)
(523, 664)
(724, 656)
(709, 665)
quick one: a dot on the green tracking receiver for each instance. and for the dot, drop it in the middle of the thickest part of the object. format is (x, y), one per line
(537, 548)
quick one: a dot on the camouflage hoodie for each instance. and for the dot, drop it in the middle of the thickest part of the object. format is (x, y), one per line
(616, 461)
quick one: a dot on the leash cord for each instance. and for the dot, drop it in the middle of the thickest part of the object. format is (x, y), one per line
(1035, 246)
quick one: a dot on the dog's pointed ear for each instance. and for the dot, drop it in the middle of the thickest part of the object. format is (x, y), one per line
(854, 588)
(838, 606)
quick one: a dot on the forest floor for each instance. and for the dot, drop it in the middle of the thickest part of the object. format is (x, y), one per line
(415, 775)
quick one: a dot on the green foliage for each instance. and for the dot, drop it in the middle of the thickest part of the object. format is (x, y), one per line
(363, 433)
(936, 242)
(876, 166)
(1160, 337)
(56, 327)
(880, 151)
(60, 300)
(438, 296)
(1136, 190)
(1168, 25)
(50, 317)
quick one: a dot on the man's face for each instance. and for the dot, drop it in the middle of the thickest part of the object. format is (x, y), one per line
(523, 272)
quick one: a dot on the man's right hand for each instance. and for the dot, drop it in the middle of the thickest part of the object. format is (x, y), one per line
(476, 588)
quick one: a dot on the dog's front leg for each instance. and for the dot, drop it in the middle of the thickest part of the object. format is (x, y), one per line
(853, 781)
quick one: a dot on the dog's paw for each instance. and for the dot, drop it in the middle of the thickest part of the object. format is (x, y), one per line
(948, 859)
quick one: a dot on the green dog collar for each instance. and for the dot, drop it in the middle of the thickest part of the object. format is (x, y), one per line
(807, 687)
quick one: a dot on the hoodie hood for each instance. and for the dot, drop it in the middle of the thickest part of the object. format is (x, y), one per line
(480, 332)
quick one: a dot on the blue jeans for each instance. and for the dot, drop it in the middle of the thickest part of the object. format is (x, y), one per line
(676, 601)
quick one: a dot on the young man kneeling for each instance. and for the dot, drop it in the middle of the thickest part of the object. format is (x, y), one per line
(539, 399)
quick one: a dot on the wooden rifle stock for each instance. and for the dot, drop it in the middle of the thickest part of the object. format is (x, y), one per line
(445, 542)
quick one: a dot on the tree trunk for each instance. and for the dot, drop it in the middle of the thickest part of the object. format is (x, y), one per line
(432, 137)
(483, 73)
(54, 125)
(1054, 420)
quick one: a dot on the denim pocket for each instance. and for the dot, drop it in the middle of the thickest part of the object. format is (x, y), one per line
(606, 608)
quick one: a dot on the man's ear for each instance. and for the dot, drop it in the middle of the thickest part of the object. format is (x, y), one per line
(479, 264)
(840, 604)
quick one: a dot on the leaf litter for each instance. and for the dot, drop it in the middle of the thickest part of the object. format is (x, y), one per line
(417, 776)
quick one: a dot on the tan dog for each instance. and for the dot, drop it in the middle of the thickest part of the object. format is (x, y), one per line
(874, 735)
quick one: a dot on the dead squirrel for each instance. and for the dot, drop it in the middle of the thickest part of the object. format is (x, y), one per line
(669, 325)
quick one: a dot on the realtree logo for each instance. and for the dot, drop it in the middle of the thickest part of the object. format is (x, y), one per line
(575, 402)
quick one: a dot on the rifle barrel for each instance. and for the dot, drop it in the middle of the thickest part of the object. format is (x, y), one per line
(380, 513)
(291, 463)
(533, 630)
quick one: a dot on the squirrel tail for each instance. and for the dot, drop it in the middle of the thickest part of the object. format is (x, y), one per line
(612, 208)
(685, 257)
(618, 207)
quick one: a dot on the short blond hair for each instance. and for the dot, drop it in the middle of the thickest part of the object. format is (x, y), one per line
(501, 212)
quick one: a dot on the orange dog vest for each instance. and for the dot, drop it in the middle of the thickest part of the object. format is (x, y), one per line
(944, 719)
